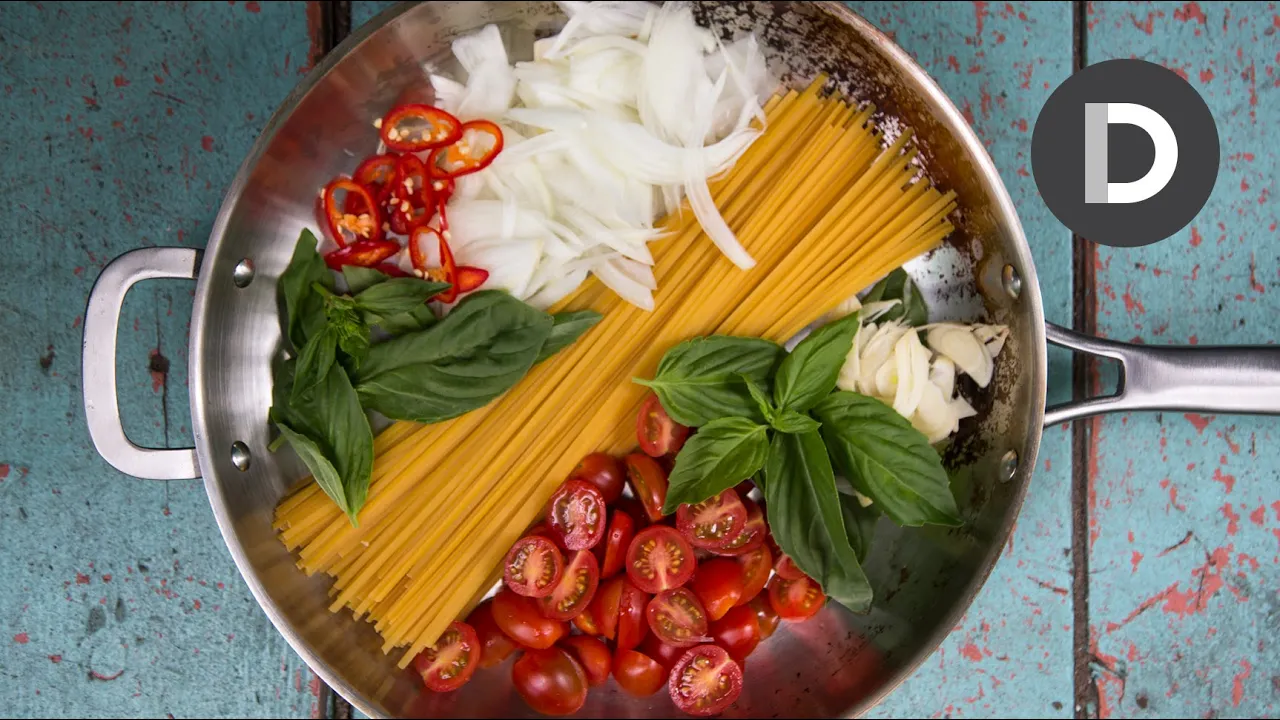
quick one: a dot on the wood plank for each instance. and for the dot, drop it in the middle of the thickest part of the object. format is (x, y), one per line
(1184, 508)
(126, 123)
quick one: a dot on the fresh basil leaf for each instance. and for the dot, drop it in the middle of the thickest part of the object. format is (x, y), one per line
(810, 372)
(566, 328)
(483, 347)
(898, 285)
(859, 523)
(720, 455)
(887, 460)
(342, 430)
(314, 361)
(303, 309)
(322, 470)
(355, 340)
(762, 399)
(360, 278)
(790, 421)
(397, 295)
(348, 325)
(806, 519)
(700, 380)
(420, 318)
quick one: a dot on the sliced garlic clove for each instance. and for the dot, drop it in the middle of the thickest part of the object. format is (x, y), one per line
(964, 349)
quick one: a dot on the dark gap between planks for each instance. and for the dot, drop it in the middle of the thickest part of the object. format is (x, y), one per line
(1083, 370)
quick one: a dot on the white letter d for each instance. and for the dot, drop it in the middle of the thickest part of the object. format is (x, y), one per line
(1096, 118)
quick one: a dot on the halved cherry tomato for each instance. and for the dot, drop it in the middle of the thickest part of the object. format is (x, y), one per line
(593, 655)
(355, 217)
(632, 627)
(541, 530)
(577, 513)
(659, 559)
(604, 607)
(787, 569)
(658, 434)
(586, 622)
(451, 662)
(795, 599)
(365, 253)
(495, 646)
(634, 508)
(705, 681)
(666, 655)
(414, 127)
(648, 482)
(533, 567)
(752, 535)
(616, 543)
(519, 618)
(375, 174)
(551, 681)
(603, 471)
(638, 674)
(577, 586)
(737, 632)
(719, 585)
(408, 200)
(714, 522)
(479, 144)
(756, 566)
(765, 614)
(677, 617)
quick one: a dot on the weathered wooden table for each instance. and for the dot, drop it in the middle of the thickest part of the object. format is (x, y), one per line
(1142, 576)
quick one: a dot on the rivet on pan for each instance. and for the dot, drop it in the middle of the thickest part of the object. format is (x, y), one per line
(1012, 281)
(243, 274)
(1008, 466)
(240, 456)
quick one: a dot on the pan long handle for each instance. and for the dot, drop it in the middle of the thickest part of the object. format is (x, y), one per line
(101, 322)
(1225, 379)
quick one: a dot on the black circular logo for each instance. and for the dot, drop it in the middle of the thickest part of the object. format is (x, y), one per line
(1125, 153)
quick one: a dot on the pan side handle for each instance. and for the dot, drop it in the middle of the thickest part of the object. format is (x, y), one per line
(101, 323)
(1242, 379)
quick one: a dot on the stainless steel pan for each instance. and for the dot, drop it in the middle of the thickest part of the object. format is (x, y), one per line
(837, 664)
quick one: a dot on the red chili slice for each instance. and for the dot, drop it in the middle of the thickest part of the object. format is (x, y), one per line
(392, 270)
(408, 198)
(415, 127)
(375, 173)
(366, 253)
(478, 145)
(353, 219)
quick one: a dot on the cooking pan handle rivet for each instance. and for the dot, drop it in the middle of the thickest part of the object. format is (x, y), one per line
(1008, 464)
(240, 456)
(1012, 281)
(243, 274)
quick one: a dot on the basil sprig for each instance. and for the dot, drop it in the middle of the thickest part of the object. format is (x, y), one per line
(777, 418)
(428, 372)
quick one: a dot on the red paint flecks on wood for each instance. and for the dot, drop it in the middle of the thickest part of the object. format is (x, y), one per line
(82, 579)
(253, 7)
(4, 470)
(1131, 304)
(1253, 275)
(1135, 559)
(1228, 481)
(971, 652)
(1259, 515)
(206, 143)
(1196, 238)
(1199, 421)
(1167, 484)
(1206, 581)
(55, 659)
(315, 32)
(21, 638)
(1206, 75)
(1237, 683)
(1233, 519)
(105, 678)
(1190, 11)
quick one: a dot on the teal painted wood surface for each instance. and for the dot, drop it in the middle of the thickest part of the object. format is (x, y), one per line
(1185, 509)
(124, 124)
